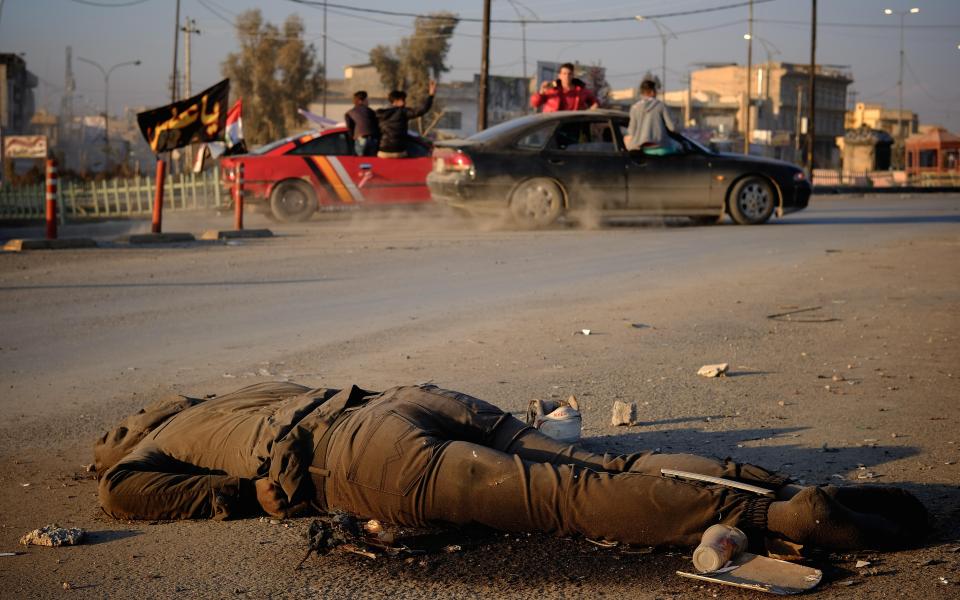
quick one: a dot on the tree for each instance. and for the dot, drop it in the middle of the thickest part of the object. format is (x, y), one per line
(411, 64)
(275, 72)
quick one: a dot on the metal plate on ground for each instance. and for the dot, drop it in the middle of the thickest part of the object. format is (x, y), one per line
(763, 574)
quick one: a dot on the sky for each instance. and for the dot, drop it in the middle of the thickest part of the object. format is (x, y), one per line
(853, 33)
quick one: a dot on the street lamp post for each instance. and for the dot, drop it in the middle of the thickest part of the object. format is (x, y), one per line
(106, 98)
(901, 14)
(665, 34)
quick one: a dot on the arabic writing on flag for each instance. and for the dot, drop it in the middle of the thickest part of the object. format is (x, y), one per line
(201, 118)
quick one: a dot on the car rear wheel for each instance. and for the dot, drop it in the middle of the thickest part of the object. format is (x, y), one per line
(752, 201)
(536, 202)
(292, 201)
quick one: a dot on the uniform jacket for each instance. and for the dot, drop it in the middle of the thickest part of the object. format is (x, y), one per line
(201, 462)
(362, 122)
(394, 123)
(578, 97)
(650, 124)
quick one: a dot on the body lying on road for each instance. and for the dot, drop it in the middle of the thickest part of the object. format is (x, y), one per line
(422, 455)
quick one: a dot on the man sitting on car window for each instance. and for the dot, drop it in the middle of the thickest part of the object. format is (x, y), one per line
(650, 124)
(363, 126)
(394, 122)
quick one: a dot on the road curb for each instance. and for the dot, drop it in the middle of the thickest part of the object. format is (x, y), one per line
(160, 238)
(18, 245)
(231, 234)
(849, 189)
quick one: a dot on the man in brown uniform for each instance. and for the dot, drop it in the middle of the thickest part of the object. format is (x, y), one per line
(421, 455)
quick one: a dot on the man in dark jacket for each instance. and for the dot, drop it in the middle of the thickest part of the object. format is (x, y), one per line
(422, 456)
(394, 122)
(363, 125)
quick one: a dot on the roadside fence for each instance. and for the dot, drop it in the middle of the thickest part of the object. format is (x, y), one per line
(115, 198)
(883, 179)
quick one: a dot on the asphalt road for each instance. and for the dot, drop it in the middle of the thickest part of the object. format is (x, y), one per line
(90, 335)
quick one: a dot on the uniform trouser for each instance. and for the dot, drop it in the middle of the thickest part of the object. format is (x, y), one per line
(418, 456)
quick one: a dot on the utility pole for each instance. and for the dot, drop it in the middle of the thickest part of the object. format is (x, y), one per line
(484, 68)
(189, 27)
(324, 58)
(812, 100)
(176, 44)
(900, 137)
(796, 140)
(746, 118)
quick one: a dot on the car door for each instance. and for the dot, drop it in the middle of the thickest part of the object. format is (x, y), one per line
(676, 183)
(391, 180)
(584, 156)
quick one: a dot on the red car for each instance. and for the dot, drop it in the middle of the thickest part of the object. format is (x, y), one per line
(300, 174)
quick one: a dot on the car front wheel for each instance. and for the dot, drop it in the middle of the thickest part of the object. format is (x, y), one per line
(536, 202)
(752, 201)
(292, 201)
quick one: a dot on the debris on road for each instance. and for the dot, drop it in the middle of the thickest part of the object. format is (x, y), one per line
(624, 414)
(717, 370)
(788, 316)
(585, 331)
(863, 563)
(53, 536)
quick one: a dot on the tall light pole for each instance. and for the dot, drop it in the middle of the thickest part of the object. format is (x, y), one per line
(665, 34)
(901, 14)
(106, 97)
(746, 118)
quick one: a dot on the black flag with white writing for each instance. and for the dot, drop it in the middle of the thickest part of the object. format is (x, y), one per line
(201, 118)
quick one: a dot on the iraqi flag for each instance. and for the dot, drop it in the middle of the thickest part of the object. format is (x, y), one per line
(234, 131)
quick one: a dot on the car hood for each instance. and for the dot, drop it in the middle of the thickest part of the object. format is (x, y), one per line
(755, 160)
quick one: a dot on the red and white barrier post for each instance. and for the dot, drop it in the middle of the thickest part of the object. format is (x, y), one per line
(157, 226)
(238, 199)
(51, 199)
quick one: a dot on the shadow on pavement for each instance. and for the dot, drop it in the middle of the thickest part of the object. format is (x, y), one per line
(189, 284)
(867, 220)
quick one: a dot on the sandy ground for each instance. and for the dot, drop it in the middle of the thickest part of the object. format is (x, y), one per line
(867, 394)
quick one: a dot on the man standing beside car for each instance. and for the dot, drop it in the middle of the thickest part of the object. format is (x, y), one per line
(363, 125)
(394, 122)
(566, 93)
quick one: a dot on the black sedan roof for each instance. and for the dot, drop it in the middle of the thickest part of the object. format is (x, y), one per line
(508, 131)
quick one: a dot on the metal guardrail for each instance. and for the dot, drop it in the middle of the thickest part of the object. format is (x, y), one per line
(883, 179)
(116, 198)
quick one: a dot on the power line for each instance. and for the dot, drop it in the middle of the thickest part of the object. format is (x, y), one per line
(390, 13)
(854, 25)
(110, 4)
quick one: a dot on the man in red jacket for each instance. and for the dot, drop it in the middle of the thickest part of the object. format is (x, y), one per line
(566, 93)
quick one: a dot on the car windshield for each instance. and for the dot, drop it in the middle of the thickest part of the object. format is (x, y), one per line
(685, 140)
(276, 144)
(496, 131)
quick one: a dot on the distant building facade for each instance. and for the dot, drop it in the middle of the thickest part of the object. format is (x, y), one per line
(898, 123)
(16, 94)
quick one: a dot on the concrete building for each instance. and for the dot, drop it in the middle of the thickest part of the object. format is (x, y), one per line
(16, 94)
(899, 124)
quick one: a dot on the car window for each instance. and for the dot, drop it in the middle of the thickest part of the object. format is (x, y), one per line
(684, 146)
(334, 144)
(584, 136)
(535, 140)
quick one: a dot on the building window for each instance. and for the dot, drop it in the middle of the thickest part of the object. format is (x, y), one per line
(928, 158)
(951, 160)
(450, 120)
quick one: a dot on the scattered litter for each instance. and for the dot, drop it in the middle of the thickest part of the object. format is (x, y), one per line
(624, 414)
(585, 331)
(848, 582)
(716, 370)
(866, 475)
(863, 563)
(24, 485)
(11, 553)
(639, 326)
(944, 580)
(838, 377)
(452, 548)
(53, 536)
(602, 543)
(788, 316)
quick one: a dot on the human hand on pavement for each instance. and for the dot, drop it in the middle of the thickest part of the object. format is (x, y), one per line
(273, 500)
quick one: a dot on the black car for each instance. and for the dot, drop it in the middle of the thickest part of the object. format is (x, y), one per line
(542, 166)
